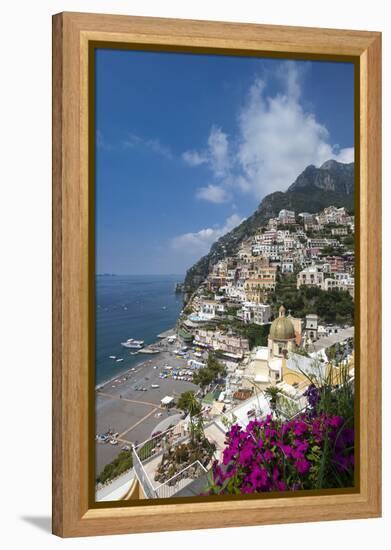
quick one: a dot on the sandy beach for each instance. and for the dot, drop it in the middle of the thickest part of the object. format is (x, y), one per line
(132, 413)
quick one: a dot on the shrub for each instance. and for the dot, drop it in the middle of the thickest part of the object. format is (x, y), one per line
(118, 466)
(206, 375)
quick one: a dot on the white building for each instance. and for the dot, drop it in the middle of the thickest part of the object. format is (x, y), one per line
(286, 217)
(311, 326)
(340, 231)
(332, 214)
(341, 281)
(252, 312)
(236, 291)
(287, 266)
(311, 276)
(208, 309)
(271, 251)
(306, 217)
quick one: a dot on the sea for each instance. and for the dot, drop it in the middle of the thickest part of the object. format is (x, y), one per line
(131, 306)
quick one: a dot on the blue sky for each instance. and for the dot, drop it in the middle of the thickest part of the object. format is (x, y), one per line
(187, 146)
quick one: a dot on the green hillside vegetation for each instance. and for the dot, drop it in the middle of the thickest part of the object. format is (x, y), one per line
(331, 251)
(255, 334)
(332, 306)
(118, 466)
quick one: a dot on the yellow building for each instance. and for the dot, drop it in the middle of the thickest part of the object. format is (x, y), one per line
(257, 286)
(266, 365)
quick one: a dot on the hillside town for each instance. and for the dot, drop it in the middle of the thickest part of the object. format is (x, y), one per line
(301, 250)
(267, 326)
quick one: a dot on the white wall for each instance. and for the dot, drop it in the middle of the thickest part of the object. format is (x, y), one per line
(25, 218)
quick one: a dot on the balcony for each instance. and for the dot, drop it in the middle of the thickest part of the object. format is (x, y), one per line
(151, 462)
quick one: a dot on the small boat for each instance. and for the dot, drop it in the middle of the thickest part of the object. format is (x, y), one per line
(112, 357)
(149, 351)
(132, 343)
(119, 360)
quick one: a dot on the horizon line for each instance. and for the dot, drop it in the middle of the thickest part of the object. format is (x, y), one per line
(112, 274)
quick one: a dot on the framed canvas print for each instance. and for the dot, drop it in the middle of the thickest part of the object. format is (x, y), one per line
(216, 240)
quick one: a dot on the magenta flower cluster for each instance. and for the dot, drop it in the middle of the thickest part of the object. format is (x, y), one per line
(272, 455)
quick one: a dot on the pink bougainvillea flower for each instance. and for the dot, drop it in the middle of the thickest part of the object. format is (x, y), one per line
(268, 454)
(300, 428)
(335, 421)
(273, 455)
(286, 449)
(302, 466)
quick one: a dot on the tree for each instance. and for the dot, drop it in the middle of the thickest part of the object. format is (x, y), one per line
(214, 365)
(188, 403)
(272, 392)
(118, 466)
(330, 251)
(206, 375)
(256, 334)
(348, 241)
(332, 306)
(203, 377)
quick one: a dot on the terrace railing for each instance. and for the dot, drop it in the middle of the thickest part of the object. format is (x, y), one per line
(142, 476)
(144, 453)
(180, 480)
(289, 408)
(157, 444)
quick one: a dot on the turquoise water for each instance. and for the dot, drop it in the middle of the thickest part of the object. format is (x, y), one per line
(131, 306)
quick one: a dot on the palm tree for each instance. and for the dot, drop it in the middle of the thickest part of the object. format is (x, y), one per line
(189, 403)
(272, 392)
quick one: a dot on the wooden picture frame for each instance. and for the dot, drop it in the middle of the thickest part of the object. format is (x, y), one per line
(73, 33)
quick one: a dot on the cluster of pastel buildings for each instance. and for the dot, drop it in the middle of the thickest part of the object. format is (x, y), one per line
(237, 290)
(239, 286)
(290, 247)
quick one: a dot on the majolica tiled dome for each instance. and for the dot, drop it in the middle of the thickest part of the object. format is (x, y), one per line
(282, 327)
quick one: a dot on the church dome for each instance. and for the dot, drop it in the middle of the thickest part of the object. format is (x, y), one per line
(282, 327)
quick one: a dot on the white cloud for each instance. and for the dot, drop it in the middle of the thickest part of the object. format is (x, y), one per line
(213, 193)
(194, 158)
(277, 139)
(152, 144)
(345, 155)
(216, 155)
(101, 141)
(218, 151)
(197, 244)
